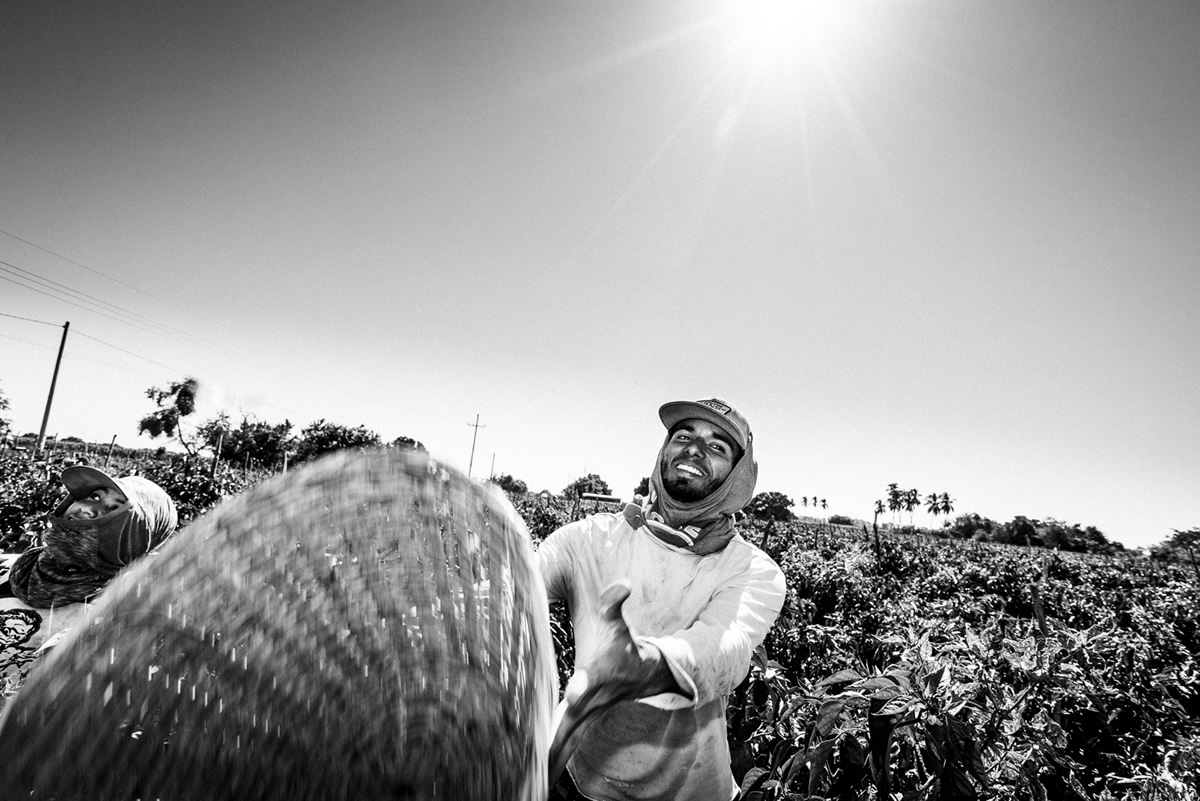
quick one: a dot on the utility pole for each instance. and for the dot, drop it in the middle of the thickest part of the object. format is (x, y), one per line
(476, 426)
(41, 440)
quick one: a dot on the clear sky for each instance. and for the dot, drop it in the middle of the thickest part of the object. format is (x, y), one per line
(952, 244)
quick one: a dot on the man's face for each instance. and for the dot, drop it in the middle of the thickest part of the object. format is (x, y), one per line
(96, 503)
(697, 458)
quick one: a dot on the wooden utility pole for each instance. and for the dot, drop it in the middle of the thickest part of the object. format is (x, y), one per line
(41, 440)
(217, 454)
(476, 426)
(108, 455)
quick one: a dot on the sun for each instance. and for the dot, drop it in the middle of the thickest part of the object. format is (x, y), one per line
(772, 29)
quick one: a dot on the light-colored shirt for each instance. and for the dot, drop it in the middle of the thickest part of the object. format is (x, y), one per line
(706, 614)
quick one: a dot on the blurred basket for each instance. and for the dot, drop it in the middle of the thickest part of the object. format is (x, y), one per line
(372, 626)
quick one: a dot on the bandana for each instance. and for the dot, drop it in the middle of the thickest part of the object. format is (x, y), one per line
(78, 557)
(701, 527)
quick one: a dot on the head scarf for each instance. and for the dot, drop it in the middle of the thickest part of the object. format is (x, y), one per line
(704, 526)
(77, 558)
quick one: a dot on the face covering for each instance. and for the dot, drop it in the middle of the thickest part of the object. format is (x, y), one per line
(77, 558)
(704, 526)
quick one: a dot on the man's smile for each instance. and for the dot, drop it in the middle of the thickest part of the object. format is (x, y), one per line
(688, 467)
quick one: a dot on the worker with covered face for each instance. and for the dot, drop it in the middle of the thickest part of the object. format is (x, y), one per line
(667, 602)
(102, 525)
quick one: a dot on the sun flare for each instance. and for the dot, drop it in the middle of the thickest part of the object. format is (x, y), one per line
(773, 28)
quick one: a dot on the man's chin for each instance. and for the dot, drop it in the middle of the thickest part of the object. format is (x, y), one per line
(684, 491)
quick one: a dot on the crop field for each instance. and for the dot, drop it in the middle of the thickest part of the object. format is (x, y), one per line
(902, 666)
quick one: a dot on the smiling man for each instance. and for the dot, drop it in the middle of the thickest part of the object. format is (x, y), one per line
(668, 603)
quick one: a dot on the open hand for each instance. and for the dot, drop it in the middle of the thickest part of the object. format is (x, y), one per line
(620, 670)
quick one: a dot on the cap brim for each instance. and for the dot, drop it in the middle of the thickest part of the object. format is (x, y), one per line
(80, 480)
(678, 411)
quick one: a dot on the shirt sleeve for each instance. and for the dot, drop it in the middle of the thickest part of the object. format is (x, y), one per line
(555, 561)
(712, 656)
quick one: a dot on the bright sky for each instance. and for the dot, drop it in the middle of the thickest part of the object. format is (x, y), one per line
(949, 244)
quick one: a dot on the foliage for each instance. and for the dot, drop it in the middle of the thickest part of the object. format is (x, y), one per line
(990, 672)
(175, 402)
(513, 486)
(323, 437)
(1185, 539)
(589, 483)
(406, 444)
(30, 491)
(253, 439)
(903, 667)
(643, 487)
(194, 486)
(5, 423)
(770, 506)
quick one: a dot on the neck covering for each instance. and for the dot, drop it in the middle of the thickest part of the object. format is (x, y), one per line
(77, 558)
(701, 527)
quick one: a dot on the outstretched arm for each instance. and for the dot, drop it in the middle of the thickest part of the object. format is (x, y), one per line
(621, 670)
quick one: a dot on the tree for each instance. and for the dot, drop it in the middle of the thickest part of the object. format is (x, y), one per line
(265, 443)
(590, 483)
(771, 506)
(323, 437)
(1185, 539)
(911, 500)
(514, 486)
(643, 487)
(4, 421)
(409, 444)
(947, 504)
(933, 503)
(894, 503)
(174, 403)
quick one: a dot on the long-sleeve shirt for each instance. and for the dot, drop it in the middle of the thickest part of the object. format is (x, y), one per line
(706, 614)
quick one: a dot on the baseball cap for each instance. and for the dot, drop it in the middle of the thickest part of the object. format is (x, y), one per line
(81, 479)
(715, 410)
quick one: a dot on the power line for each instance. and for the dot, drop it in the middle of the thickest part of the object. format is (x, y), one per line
(61, 289)
(106, 275)
(131, 353)
(25, 341)
(46, 282)
(73, 303)
(28, 319)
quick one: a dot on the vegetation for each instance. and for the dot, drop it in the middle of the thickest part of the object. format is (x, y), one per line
(513, 486)
(969, 665)
(590, 483)
(4, 421)
(992, 671)
(175, 402)
(323, 437)
(252, 440)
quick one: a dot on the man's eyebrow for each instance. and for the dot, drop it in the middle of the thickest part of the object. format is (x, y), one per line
(723, 437)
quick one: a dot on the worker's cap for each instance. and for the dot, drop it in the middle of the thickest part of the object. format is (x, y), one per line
(715, 411)
(81, 480)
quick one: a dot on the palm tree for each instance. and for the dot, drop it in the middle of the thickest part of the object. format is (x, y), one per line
(911, 500)
(824, 505)
(934, 505)
(893, 502)
(804, 501)
(947, 505)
